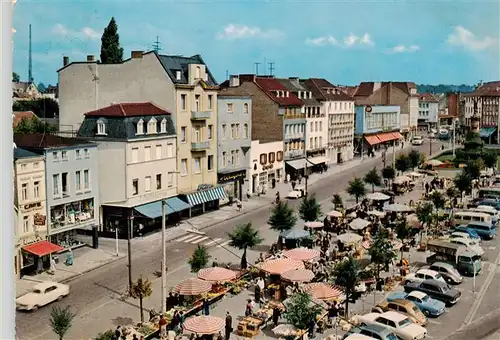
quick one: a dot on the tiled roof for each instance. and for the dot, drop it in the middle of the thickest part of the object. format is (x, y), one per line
(487, 89)
(20, 85)
(40, 141)
(174, 63)
(22, 153)
(295, 85)
(349, 90)
(271, 85)
(366, 89)
(129, 110)
(427, 97)
(323, 90)
(20, 115)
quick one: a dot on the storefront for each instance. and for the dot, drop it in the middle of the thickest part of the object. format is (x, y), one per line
(232, 183)
(379, 142)
(298, 168)
(205, 199)
(36, 255)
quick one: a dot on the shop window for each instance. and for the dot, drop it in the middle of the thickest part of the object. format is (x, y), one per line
(263, 158)
(272, 157)
(158, 182)
(279, 156)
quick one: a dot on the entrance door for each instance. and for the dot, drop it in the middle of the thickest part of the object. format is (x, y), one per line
(254, 184)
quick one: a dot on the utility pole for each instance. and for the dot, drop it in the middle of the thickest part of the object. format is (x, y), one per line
(227, 74)
(157, 45)
(271, 68)
(164, 259)
(30, 61)
(306, 175)
(129, 236)
(256, 68)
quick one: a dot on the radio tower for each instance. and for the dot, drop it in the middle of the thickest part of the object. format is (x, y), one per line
(157, 45)
(30, 62)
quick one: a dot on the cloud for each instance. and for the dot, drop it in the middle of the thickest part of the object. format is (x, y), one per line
(350, 41)
(84, 33)
(465, 38)
(404, 49)
(235, 32)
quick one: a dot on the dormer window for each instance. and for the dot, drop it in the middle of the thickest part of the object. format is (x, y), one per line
(310, 95)
(287, 94)
(163, 125)
(198, 72)
(277, 94)
(152, 126)
(140, 127)
(178, 75)
(101, 127)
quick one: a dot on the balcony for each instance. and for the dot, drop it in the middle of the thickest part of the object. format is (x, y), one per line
(289, 136)
(200, 146)
(200, 115)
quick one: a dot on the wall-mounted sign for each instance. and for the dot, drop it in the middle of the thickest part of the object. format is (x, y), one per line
(267, 167)
(368, 109)
(32, 239)
(31, 206)
(233, 176)
(39, 219)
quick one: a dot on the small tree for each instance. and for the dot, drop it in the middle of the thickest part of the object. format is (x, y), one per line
(403, 231)
(301, 311)
(473, 168)
(452, 192)
(381, 250)
(403, 163)
(15, 77)
(356, 188)
(388, 173)
(141, 289)
(199, 259)
(244, 236)
(33, 125)
(415, 158)
(424, 214)
(490, 159)
(337, 201)
(347, 275)
(111, 52)
(282, 217)
(437, 199)
(309, 209)
(463, 183)
(61, 320)
(373, 178)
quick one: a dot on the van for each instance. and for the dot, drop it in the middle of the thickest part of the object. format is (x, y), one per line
(487, 209)
(466, 217)
(484, 229)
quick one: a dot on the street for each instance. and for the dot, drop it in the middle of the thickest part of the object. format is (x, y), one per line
(96, 296)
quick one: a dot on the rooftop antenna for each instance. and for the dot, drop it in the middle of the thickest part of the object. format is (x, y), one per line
(227, 74)
(271, 68)
(30, 62)
(256, 68)
(157, 45)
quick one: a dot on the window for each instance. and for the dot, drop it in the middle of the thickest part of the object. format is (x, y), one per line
(170, 150)
(163, 125)
(224, 131)
(36, 189)
(55, 185)
(86, 153)
(147, 184)
(55, 155)
(263, 158)
(210, 162)
(184, 170)
(26, 224)
(135, 155)
(237, 130)
(311, 143)
(320, 126)
(140, 127)
(170, 179)
(64, 155)
(152, 126)
(312, 127)
(238, 157)
(24, 192)
(316, 126)
(210, 98)
(147, 153)
(135, 186)
(197, 102)
(158, 182)
(230, 107)
(198, 72)
(210, 131)
(86, 179)
(158, 152)
(183, 102)
(224, 159)
(271, 156)
(245, 108)
(245, 131)
(233, 131)
(197, 135)
(64, 183)
(78, 181)
(35, 165)
(183, 134)
(233, 157)
(78, 154)
(197, 165)
(320, 141)
(101, 127)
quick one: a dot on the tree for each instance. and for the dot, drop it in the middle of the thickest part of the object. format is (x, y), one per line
(373, 178)
(310, 209)
(463, 183)
(388, 173)
(301, 311)
(381, 250)
(244, 237)
(415, 158)
(337, 201)
(199, 259)
(437, 199)
(452, 192)
(474, 167)
(403, 163)
(282, 217)
(42, 107)
(15, 77)
(403, 231)
(347, 275)
(424, 214)
(33, 125)
(141, 289)
(61, 320)
(490, 159)
(356, 188)
(111, 52)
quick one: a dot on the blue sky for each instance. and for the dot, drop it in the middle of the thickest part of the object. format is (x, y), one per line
(451, 42)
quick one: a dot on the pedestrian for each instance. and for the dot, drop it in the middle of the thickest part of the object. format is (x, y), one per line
(229, 325)
(257, 294)
(333, 312)
(219, 337)
(182, 318)
(206, 307)
(134, 337)
(162, 323)
(118, 333)
(248, 308)
(276, 315)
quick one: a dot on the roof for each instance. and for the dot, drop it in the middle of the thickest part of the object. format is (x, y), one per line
(42, 248)
(427, 271)
(491, 88)
(20, 115)
(20, 85)
(129, 110)
(40, 141)
(323, 90)
(271, 85)
(435, 282)
(349, 90)
(427, 97)
(418, 294)
(394, 316)
(295, 86)
(174, 63)
(22, 153)
(366, 89)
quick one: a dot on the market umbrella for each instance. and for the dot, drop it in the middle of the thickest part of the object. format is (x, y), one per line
(298, 275)
(334, 213)
(322, 291)
(216, 274)
(192, 286)
(349, 238)
(434, 162)
(397, 208)
(302, 254)
(415, 174)
(284, 330)
(204, 325)
(279, 266)
(314, 225)
(376, 213)
(295, 234)
(359, 224)
(396, 244)
(366, 244)
(378, 196)
(402, 179)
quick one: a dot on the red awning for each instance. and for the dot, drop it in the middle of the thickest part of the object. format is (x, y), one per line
(42, 248)
(372, 140)
(385, 137)
(397, 136)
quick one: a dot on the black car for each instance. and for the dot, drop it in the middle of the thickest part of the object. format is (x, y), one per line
(435, 289)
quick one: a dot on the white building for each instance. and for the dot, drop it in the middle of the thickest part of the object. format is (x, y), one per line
(267, 164)
(427, 112)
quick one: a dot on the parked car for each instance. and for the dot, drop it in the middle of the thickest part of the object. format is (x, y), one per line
(470, 244)
(374, 331)
(42, 294)
(402, 306)
(492, 202)
(472, 233)
(448, 272)
(417, 140)
(398, 323)
(295, 194)
(436, 289)
(423, 274)
(428, 305)
(357, 336)
(462, 234)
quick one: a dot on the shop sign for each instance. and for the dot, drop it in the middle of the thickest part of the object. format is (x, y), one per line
(39, 219)
(267, 167)
(31, 239)
(234, 176)
(31, 206)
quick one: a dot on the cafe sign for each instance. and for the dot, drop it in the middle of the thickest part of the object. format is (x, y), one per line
(31, 206)
(233, 176)
(31, 239)
(39, 219)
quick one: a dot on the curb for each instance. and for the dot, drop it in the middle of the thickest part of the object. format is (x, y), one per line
(69, 278)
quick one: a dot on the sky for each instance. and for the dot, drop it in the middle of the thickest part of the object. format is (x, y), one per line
(345, 42)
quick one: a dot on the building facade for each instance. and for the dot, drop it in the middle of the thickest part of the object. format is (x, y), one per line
(234, 117)
(29, 204)
(485, 102)
(427, 112)
(267, 164)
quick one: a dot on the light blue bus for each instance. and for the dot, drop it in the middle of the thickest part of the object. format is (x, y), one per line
(483, 229)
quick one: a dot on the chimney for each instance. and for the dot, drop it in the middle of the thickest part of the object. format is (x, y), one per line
(90, 58)
(247, 77)
(294, 80)
(234, 81)
(136, 54)
(65, 61)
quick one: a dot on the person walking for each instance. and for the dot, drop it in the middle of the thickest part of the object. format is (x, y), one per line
(229, 326)
(276, 316)
(206, 307)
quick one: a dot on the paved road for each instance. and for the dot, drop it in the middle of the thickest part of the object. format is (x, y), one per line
(101, 287)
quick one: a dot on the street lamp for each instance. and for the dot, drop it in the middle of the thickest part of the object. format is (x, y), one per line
(454, 134)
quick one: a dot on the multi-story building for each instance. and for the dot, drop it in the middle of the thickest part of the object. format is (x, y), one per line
(184, 85)
(402, 94)
(376, 126)
(449, 109)
(276, 116)
(485, 101)
(137, 149)
(267, 164)
(427, 112)
(72, 185)
(30, 209)
(339, 108)
(234, 117)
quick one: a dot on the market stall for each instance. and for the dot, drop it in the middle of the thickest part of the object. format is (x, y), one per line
(324, 291)
(298, 275)
(216, 274)
(314, 225)
(302, 254)
(203, 325)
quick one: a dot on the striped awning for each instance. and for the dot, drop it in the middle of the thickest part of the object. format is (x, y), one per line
(203, 196)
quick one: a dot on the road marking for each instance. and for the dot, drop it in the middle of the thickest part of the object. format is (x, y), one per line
(224, 244)
(187, 237)
(195, 237)
(433, 322)
(492, 248)
(208, 244)
(200, 240)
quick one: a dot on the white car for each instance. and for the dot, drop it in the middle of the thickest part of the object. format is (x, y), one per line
(469, 243)
(42, 294)
(295, 194)
(397, 323)
(460, 234)
(423, 274)
(357, 336)
(417, 140)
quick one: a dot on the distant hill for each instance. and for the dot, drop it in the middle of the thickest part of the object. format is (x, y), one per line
(421, 88)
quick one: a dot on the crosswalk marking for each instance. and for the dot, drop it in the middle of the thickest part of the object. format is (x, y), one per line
(217, 240)
(194, 240)
(200, 240)
(224, 244)
(187, 237)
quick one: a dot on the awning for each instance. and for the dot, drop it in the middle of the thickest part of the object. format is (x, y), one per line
(397, 136)
(204, 196)
(385, 137)
(297, 163)
(372, 140)
(486, 132)
(153, 209)
(42, 248)
(318, 160)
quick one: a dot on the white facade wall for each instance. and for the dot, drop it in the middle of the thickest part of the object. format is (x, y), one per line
(316, 129)
(340, 115)
(259, 173)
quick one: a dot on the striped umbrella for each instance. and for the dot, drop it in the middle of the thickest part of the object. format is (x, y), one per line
(216, 274)
(298, 275)
(302, 254)
(204, 325)
(192, 286)
(323, 291)
(279, 266)
(334, 213)
(314, 225)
